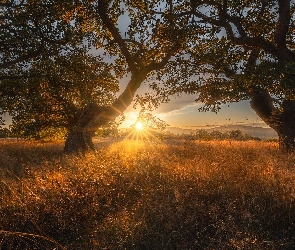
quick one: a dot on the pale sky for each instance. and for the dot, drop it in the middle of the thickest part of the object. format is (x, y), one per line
(183, 112)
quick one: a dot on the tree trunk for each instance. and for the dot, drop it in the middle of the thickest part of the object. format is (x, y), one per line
(287, 141)
(281, 120)
(80, 138)
(78, 141)
(95, 116)
(286, 126)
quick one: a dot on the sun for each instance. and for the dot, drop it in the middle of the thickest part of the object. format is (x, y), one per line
(139, 126)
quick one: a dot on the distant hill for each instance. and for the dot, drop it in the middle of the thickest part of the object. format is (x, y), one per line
(263, 133)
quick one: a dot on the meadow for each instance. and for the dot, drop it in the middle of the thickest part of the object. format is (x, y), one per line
(147, 195)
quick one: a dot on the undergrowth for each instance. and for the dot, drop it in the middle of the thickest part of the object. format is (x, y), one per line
(142, 195)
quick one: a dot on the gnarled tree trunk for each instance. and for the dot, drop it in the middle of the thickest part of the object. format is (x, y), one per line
(78, 141)
(80, 138)
(95, 116)
(281, 120)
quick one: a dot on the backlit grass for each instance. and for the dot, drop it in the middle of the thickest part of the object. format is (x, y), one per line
(143, 195)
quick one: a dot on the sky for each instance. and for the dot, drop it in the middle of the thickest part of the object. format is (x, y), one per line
(182, 112)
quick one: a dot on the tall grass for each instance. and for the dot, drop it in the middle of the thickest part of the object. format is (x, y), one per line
(141, 195)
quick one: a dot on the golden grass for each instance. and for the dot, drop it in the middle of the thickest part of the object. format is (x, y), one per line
(142, 195)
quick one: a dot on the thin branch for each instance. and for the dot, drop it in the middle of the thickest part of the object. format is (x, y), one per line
(252, 59)
(22, 58)
(128, 40)
(207, 18)
(243, 39)
(238, 24)
(164, 61)
(31, 237)
(102, 11)
(263, 7)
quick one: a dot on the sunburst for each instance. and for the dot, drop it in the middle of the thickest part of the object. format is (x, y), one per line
(139, 126)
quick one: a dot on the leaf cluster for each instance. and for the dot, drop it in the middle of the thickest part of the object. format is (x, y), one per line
(56, 90)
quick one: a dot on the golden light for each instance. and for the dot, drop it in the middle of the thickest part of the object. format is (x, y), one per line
(139, 126)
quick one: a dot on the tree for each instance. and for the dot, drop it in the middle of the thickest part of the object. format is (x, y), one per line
(147, 126)
(4, 132)
(42, 90)
(246, 52)
(31, 32)
(147, 46)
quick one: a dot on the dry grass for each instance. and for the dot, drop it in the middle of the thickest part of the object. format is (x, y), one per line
(141, 195)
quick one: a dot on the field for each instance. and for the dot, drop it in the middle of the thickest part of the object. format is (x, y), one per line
(147, 195)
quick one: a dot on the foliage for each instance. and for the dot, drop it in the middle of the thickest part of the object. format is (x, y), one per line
(150, 127)
(30, 29)
(243, 50)
(4, 132)
(111, 129)
(150, 121)
(213, 195)
(204, 135)
(68, 31)
(221, 66)
(221, 51)
(56, 92)
(35, 37)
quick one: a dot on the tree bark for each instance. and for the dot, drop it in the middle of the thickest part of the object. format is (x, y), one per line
(281, 120)
(287, 140)
(286, 127)
(78, 141)
(80, 138)
(95, 116)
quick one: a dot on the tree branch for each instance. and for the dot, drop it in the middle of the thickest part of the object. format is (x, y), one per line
(102, 11)
(22, 58)
(283, 25)
(279, 50)
(262, 104)
(263, 6)
(252, 59)
(164, 61)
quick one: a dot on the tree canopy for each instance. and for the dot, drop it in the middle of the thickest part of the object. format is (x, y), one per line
(57, 92)
(61, 60)
(35, 36)
(150, 122)
(30, 29)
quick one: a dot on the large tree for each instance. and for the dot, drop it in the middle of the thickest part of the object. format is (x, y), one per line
(246, 52)
(56, 92)
(144, 45)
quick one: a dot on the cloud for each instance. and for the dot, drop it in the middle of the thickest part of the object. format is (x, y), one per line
(182, 111)
(177, 105)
